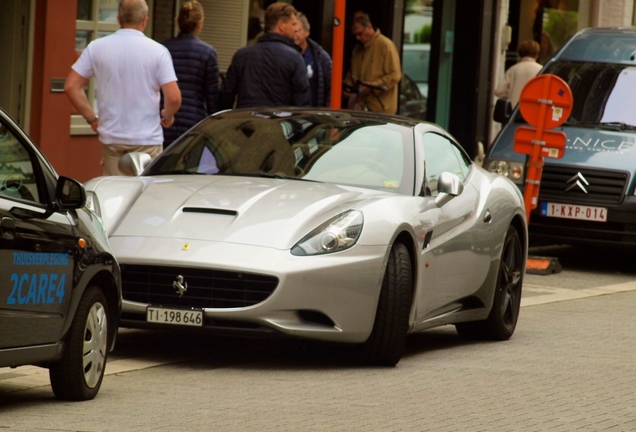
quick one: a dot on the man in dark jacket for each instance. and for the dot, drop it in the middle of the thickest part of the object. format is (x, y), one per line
(318, 64)
(271, 72)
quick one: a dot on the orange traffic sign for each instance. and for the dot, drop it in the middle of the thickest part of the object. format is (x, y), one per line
(551, 144)
(546, 101)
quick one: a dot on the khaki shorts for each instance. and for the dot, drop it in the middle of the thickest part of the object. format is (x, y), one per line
(113, 152)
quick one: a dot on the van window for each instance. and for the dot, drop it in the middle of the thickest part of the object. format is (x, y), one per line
(604, 93)
(613, 48)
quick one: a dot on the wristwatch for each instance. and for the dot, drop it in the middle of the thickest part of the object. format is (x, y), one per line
(93, 120)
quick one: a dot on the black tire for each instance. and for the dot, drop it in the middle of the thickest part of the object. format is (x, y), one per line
(78, 375)
(388, 337)
(502, 320)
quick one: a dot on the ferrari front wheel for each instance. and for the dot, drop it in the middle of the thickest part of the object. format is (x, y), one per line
(502, 320)
(388, 337)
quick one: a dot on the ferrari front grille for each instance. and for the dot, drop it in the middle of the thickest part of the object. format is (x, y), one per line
(204, 288)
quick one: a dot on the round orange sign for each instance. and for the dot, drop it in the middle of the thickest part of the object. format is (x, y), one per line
(546, 101)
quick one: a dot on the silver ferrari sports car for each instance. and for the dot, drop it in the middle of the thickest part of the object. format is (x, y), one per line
(340, 226)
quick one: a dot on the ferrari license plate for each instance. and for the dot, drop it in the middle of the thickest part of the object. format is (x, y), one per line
(184, 317)
(572, 211)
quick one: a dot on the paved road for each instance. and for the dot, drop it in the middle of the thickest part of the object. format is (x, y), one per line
(569, 367)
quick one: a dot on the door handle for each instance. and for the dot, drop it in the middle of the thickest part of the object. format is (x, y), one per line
(7, 228)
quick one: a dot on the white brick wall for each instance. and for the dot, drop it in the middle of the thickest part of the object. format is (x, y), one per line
(616, 13)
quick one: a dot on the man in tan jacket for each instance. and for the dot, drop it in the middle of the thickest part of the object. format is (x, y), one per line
(375, 61)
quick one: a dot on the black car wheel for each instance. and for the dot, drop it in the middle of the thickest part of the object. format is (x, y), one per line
(78, 375)
(388, 337)
(502, 320)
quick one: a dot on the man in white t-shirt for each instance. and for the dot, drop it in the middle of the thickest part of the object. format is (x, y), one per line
(131, 71)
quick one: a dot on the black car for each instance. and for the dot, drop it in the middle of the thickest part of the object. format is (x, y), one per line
(60, 290)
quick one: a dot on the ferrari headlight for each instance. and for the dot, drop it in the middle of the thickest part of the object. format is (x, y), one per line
(511, 169)
(335, 235)
(92, 203)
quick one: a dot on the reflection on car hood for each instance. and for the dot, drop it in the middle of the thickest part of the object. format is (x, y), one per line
(244, 210)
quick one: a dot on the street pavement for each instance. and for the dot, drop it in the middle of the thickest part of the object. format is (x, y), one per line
(568, 367)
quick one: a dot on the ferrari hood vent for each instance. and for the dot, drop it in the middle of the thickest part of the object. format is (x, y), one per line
(210, 211)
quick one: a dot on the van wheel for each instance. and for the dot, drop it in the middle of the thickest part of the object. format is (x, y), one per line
(78, 374)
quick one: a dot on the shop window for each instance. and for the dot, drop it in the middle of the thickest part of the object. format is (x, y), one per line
(95, 19)
(555, 21)
(416, 51)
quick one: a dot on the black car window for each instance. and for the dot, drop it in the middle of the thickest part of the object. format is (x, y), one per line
(17, 179)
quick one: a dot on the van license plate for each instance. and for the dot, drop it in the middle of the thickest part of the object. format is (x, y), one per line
(572, 211)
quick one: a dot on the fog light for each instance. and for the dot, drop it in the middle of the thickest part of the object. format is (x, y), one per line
(516, 172)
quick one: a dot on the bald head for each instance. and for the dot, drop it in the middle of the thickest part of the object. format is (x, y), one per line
(132, 13)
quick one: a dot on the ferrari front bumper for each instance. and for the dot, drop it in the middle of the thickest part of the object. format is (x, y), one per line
(330, 297)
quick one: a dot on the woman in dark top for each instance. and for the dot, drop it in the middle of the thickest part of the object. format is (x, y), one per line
(196, 65)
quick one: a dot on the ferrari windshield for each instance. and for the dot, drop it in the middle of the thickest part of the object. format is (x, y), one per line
(316, 145)
(604, 93)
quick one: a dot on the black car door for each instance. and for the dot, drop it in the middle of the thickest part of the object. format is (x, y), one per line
(36, 248)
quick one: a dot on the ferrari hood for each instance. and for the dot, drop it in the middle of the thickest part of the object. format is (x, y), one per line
(243, 210)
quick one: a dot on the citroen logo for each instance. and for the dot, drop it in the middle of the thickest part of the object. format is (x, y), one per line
(180, 285)
(577, 181)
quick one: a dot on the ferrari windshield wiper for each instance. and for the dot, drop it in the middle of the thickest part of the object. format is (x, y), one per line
(269, 175)
(273, 175)
(173, 172)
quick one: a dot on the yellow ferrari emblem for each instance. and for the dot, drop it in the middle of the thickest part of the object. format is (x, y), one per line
(185, 246)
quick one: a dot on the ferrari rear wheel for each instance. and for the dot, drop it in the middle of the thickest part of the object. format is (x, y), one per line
(388, 337)
(502, 320)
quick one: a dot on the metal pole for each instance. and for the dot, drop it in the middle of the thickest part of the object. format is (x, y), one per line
(337, 55)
